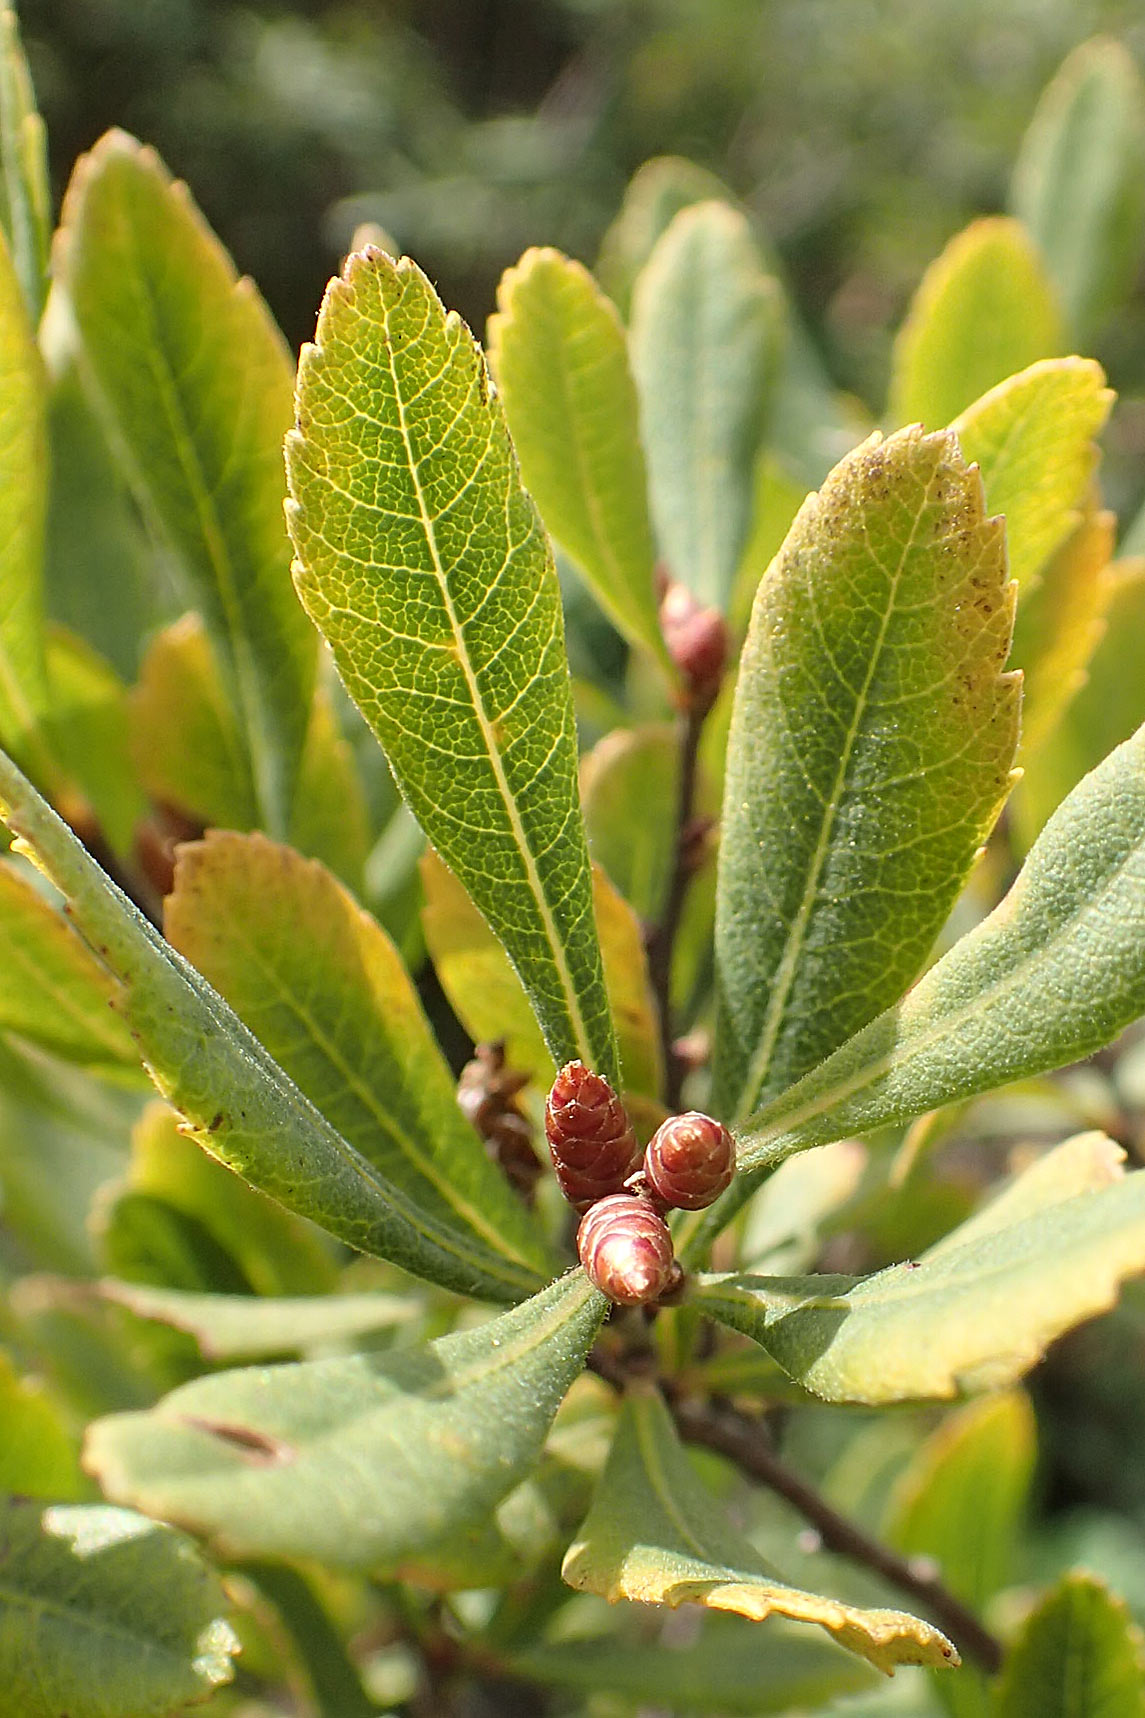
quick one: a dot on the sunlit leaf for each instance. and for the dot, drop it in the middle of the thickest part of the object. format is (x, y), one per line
(358, 1461)
(249, 1327)
(1079, 1656)
(654, 1534)
(421, 558)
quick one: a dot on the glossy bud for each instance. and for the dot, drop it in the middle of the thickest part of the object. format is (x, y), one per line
(590, 1137)
(626, 1250)
(690, 1160)
(697, 640)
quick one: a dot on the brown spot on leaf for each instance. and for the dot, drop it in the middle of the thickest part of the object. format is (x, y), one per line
(259, 1448)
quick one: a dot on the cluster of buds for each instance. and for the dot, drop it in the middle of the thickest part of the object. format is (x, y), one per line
(623, 1241)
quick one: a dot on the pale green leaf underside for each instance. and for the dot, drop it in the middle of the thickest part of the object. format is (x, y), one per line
(983, 310)
(104, 1614)
(323, 989)
(422, 560)
(559, 353)
(974, 1313)
(1079, 1655)
(235, 1100)
(655, 1535)
(1032, 439)
(194, 381)
(706, 321)
(871, 744)
(253, 1327)
(1077, 181)
(362, 1461)
(1055, 972)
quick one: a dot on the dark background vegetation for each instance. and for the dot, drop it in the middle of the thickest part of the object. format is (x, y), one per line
(862, 132)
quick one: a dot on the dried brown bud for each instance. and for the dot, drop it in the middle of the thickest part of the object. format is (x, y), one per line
(590, 1137)
(690, 1160)
(697, 640)
(626, 1250)
(487, 1091)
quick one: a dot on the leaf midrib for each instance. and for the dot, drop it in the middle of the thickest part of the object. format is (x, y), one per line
(949, 1023)
(786, 972)
(485, 726)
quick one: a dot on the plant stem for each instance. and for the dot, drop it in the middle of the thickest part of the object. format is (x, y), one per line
(662, 939)
(337, 1688)
(744, 1441)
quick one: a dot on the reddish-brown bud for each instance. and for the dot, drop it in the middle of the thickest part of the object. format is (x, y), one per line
(697, 640)
(689, 1161)
(626, 1250)
(590, 1137)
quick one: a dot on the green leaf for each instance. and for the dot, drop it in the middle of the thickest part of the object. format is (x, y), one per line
(358, 1461)
(1033, 439)
(650, 1536)
(88, 730)
(984, 309)
(974, 1313)
(1060, 626)
(275, 1250)
(1078, 181)
(104, 1614)
(656, 194)
(52, 990)
(1054, 973)
(422, 560)
(324, 990)
(199, 425)
(26, 210)
(727, 1670)
(962, 1497)
(959, 1506)
(559, 353)
(706, 322)
(486, 996)
(23, 503)
(146, 1239)
(1107, 709)
(234, 1099)
(38, 1456)
(247, 1327)
(870, 751)
(630, 790)
(1078, 1656)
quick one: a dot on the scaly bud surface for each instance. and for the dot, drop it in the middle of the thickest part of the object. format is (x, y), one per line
(690, 1161)
(626, 1250)
(590, 1137)
(697, 640)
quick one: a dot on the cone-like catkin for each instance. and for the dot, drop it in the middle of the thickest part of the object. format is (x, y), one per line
(626, 1250)
(689, 1161)
(590, 1137)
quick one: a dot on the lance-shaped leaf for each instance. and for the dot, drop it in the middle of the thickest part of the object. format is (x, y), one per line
(1061, 624)
(983, 310)
(26, 205)
(38, 1454)
(250, 1327)
(1078, 180)
(322, 988)
(974, 1313)
(1032, 437)
(234, 1099)
(104, 1614)
(559, 353)
(630, 789)
(193, 380)
(52, 989)
(358, 1461)
(422, 560)
(870, 752)
(1055, 972)
(653, 1534)
(706, 325)
(487, 997)
(23, 503)
(1079, 1655)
